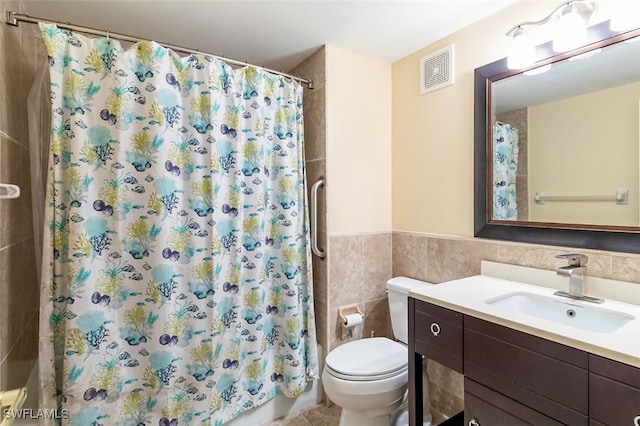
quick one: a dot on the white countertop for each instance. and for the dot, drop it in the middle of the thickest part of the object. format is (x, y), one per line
(468, 296)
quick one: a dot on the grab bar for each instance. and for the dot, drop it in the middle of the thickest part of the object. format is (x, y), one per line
(314, 218)
(9, 191)
(621, 197)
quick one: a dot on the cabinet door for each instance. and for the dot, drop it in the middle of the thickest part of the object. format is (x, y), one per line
(485, 407)
(614, 393)
(548, 377)
(438, 334)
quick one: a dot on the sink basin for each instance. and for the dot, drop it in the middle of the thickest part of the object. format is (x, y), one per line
(594, 319)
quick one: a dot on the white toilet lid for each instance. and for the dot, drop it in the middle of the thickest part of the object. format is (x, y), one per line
(373, 357)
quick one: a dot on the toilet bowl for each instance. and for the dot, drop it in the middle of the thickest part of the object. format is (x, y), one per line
(367, 378)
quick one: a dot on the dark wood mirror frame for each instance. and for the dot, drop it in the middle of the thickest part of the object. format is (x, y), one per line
(610, 238)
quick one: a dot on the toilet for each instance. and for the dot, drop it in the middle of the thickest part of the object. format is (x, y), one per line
(367, 378)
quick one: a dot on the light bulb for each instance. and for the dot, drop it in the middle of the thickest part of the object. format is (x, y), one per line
(522, 53)
(570, 32)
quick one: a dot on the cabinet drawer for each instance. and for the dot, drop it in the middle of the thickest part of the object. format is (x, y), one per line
(489, 408)
(548, 377)
(614, 393)
(438, 334)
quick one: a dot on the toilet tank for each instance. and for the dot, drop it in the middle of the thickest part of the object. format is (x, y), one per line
(398, 293)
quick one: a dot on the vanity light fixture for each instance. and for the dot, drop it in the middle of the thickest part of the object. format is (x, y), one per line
(522, 52)
(537, 71)
(570, 32)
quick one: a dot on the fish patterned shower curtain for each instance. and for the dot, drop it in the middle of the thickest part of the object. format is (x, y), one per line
(176, 283)
(505, 169)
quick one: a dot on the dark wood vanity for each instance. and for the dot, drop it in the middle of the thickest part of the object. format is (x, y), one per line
(514, 378)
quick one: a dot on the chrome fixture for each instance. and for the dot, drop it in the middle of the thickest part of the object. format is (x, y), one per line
(570, 32)
(314, 218)
(575, 272)
(9, 191)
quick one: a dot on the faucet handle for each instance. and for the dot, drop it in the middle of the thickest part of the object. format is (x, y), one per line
(574, 259)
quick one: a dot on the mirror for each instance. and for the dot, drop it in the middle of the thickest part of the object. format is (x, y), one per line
(557, 146)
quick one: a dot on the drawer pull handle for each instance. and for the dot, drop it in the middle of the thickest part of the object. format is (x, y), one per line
(636, 421)
(474, 422)
(435, 328)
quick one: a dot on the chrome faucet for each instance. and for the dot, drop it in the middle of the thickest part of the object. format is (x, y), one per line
(575, 272)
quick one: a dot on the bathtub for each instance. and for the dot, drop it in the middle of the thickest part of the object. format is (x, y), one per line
(32, 399)
(275, 408)
(281, 406)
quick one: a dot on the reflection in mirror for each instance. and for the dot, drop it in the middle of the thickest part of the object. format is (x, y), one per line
(557, 148)
(552, 128)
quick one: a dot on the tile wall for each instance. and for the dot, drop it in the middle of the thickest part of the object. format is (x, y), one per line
(19, 290)
(315, 124)
(359, 268)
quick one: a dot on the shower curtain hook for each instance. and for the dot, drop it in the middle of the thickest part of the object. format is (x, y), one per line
(108, 37)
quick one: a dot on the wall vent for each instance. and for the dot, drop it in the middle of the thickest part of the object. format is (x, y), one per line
(436, 70)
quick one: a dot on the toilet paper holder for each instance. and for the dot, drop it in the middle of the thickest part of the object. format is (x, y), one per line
(350, 316)
(343, 311)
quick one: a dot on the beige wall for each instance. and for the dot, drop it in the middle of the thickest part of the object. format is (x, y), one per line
(358, 191)
(570, 142)
(19, 293)
(358, 143)
(433, 133)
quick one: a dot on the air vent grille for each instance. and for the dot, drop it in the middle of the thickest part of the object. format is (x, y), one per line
(436, 70)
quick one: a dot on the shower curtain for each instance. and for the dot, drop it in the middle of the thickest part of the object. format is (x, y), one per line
(505, 168)
(176, 286)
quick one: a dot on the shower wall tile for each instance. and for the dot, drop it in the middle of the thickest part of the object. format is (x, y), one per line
(321, 313)
(313, 68)
(21, 359)
(316, 169)
(14, 69)
(315, 125)
(315, 141)
(19, 301)
(20, 48)
(17, 222)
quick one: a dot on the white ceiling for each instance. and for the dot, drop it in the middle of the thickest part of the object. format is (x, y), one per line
(277, 34)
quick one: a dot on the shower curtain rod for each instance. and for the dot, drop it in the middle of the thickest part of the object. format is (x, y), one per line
(14, 18)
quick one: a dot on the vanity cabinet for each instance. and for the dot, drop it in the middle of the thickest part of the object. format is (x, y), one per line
(441, 336)
(484, 406)
(614, 392)
(514, 378)
(549, 378)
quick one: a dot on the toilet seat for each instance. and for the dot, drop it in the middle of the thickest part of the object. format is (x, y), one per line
(376, 358)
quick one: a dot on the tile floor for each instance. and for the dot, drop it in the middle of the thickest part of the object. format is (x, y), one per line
(319, 415)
